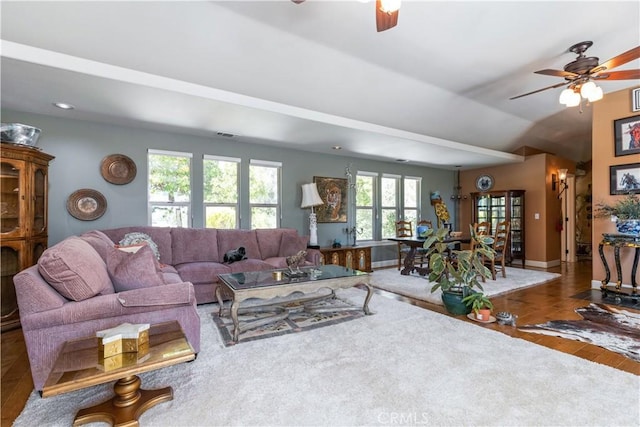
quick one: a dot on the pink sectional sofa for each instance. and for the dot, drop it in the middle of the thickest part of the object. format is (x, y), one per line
(197, 255)
(85, 284)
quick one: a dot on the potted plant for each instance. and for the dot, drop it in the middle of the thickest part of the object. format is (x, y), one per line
(480, 304)
(456, 272)
(626, 211)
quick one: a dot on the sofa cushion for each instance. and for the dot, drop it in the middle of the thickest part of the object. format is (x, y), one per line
(74, 269)
(161, 236)
(98, 241)
(201, 272)
(232, 239)
(291, 245)
(133, 270)
(137, 238)
(269, 240)
(194, 245)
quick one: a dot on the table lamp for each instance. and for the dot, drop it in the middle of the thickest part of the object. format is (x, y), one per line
(311, 198)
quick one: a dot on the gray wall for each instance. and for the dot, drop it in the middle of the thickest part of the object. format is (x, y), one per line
(79, 146)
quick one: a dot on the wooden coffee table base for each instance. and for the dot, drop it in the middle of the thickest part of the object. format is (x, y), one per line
(129, 403)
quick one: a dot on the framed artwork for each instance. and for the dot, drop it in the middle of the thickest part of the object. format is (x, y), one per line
(334, 194)
(625, 179)
(627, 135)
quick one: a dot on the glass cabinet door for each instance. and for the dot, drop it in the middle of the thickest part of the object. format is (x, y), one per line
(12, 254)
(12, 176)
(39, 200)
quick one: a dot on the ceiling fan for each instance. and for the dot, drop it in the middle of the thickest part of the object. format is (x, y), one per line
(580, 73)
(386, 13)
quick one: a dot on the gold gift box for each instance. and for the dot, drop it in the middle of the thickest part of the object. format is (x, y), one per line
(124, 359)
(126, 338)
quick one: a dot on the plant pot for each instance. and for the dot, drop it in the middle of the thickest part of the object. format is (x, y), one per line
(628, 226)
(483, 314)
(452, 301)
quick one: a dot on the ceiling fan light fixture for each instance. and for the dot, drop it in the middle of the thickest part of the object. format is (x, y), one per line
(390, 6)
(587, 89)
(565, 95)
(596, 95)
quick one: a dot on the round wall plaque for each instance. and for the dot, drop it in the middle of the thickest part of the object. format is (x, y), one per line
(86, 204)
(118, 169)
(484, 182)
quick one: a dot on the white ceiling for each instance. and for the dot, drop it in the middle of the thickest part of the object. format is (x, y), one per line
(434, 89)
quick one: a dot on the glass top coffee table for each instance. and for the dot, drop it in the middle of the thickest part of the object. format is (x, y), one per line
(269, 284)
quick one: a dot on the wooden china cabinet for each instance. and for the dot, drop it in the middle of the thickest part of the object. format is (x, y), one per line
(23, 218)
(498, 206)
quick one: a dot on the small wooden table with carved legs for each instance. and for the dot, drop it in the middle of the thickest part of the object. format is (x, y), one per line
(79, 366)
(618, 241)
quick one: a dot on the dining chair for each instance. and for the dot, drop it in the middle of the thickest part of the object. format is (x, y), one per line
(500, 242)
(481, 229)
(403, 229)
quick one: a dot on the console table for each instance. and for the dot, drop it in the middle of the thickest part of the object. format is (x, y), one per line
(355, 257)
(618, 241)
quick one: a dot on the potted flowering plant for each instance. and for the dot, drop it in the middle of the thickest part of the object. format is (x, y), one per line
(480, 304)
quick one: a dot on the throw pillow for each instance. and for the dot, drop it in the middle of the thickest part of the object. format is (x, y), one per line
(133, 270)
(74, 269)
(291, 245)
(137, 238)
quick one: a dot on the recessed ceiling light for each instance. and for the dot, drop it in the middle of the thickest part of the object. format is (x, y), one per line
(402, 160)
(64, 105)
(337, 147)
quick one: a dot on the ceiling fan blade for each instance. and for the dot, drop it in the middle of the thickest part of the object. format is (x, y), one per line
(540, 90)
(557, 73)
(385, 20)
(619, 75)
(623, 58)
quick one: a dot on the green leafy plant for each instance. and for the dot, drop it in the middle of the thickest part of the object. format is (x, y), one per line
(626, 208)
(453, 269)
(477, 301)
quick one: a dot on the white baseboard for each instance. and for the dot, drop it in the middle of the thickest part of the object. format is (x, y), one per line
(542, 264)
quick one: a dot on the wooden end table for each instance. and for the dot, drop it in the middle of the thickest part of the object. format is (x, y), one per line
(79, 366)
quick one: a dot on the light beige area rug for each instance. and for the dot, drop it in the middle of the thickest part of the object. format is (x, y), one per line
(419, 287)
(403, 365)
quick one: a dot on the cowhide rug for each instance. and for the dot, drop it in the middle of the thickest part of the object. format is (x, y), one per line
(602, 325)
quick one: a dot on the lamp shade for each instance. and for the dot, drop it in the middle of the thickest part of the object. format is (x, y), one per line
(310, 196)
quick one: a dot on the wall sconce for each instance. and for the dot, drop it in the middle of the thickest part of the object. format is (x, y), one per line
(561, 183)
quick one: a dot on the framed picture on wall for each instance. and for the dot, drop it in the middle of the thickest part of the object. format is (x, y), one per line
(333, 192)
(625, 179)
(627, 135)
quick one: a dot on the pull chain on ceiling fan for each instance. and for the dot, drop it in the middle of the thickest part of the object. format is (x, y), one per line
(580, 74)
(386, 13)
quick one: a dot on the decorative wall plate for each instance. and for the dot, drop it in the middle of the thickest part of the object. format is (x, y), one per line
(86, 204)
(484, 182)
(118, 169)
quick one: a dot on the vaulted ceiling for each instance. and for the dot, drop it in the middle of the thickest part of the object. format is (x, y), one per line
(434, 89)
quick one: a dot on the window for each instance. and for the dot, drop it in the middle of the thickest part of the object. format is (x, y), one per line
(169, 188)
(365, 202)
(221, 190)
(389, 204)
(411, 199)
(264, 194)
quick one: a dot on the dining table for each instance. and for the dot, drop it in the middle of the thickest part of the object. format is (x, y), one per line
(416, 243)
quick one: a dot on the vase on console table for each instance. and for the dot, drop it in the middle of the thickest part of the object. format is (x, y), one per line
(628, 226)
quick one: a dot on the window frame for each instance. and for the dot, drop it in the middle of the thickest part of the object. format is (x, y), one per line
(278, 192)
(205, 203)
(188, 204)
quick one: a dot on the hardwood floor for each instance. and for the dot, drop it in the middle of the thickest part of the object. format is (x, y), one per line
(550, 301)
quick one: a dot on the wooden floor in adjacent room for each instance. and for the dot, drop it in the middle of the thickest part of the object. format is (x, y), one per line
(550, 301)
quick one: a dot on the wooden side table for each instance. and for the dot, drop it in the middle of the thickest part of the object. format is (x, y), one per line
(78, 366)
(355, 257)
(618, 241)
